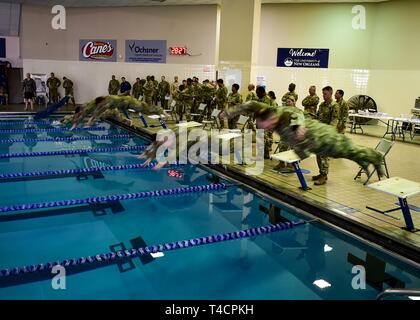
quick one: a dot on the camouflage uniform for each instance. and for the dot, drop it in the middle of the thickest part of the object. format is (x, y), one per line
(68, 90)
(164, 90)
(252, 96)
(268, 135)
(207, 95)
(187, 98)
(148, 92)
(287, 95)
(221, 97)
(233, 100)
(320, 138)
(113, 87)
(343, 116)
(53, 84)
(197, 97)
(137, 89)
(327, 113)
(179, 107)
(310, 104)
(155, 94)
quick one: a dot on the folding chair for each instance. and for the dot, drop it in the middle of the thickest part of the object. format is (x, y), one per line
(172, 112)
(201, 111)
(384, 147)
(243, 122)
(214, 119)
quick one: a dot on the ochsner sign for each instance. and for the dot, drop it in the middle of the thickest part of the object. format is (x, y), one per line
(98, 50)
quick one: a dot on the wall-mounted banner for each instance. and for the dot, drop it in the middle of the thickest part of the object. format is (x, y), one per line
(2, 47)
(302, 58)
(145, 51)
(98, 50)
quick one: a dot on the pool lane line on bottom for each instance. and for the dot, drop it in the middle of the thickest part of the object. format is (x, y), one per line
(84, 171)
(70, 152)
(37, 130)
(114, 198)
(70, 139)
(42, 271)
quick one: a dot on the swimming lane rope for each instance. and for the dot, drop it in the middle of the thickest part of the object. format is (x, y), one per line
(113, 198)
(12, 123)
(69, 152)
(80, 171)
(37, 130)
(106, 258)
(56, 139)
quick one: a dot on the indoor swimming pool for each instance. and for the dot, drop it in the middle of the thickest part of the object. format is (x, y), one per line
(40, 164)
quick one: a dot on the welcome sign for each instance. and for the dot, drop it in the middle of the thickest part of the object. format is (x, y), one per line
(302, 58)
(145, 51)
(98, 50)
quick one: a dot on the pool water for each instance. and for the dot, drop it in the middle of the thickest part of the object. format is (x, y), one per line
(282, 265)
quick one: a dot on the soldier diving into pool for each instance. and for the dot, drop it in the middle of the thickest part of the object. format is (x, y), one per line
(107, 106)
(304, 135)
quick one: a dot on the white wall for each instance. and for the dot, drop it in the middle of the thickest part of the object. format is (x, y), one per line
(45, 50)
(13, 51)
(381, 61)
(91, 78)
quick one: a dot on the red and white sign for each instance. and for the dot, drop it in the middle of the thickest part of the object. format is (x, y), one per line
(98, 50)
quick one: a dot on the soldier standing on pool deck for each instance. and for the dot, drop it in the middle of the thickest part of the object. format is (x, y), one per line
(328, 112)
(310, 103)
(53, 84)
(68, 89)
(291, 92)
(113, 86)
(164, 89)
(343, 114)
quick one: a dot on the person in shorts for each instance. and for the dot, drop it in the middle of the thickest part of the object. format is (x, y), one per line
(29, 91)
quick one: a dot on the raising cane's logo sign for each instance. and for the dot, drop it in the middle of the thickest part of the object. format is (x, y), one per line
(98, 50)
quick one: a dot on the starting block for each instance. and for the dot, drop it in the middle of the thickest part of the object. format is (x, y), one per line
(402, 189)
(153, 117)
(190, 124)
(291, 157)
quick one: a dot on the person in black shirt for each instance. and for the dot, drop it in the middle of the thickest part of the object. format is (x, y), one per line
(29, 91)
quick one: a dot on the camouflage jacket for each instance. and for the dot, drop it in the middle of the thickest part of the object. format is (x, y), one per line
(343, 114)
(310, 102)
(328, 113)
(113, 86)
(164, 88)
(251, 96)
(234, 99)
(289, 94)
(221, 95)
(68, 84)
(53, 83)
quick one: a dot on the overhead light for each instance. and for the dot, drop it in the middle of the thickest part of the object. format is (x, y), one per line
(322, 284)
(327, 248)
(413, 297)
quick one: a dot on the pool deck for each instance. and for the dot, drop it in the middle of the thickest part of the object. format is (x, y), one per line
(343, 200)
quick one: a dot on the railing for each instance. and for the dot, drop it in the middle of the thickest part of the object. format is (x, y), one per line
(399, 292)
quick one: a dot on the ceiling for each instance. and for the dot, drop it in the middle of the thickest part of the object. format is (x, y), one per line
(122, 3)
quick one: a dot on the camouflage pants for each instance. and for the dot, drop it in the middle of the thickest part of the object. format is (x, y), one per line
(187, 111)
(268, 144)
(310, 112)
(164, 102)
(148, 99)
(53, 95)
(323, 165)
(70, 92)
(232, 123)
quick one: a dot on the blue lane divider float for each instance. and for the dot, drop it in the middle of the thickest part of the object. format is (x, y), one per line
(104, 258)
(12, 123)
(113, 198)
(70, 152)
(38, 130)
(80, 171)
(57, 139)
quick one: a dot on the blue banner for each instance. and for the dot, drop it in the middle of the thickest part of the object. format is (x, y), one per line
(302, 58)
(145, 51)
(2, 48)
(98, 50)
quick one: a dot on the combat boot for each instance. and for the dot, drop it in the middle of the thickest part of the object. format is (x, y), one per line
(322, 180)
(315, 178)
